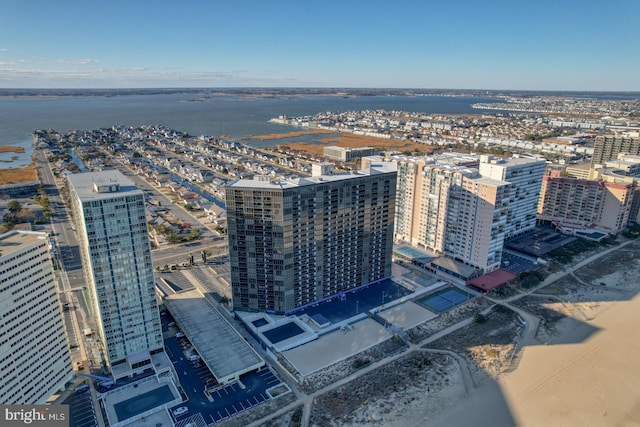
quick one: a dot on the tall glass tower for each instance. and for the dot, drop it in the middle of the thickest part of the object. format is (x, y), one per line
(114, 245)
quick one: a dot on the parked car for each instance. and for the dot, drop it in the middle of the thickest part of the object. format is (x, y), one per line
(82, 388)
(180, 411)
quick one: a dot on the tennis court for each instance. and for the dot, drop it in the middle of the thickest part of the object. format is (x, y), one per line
(353, 302)
(283, 332)
(259, 322)
(445, 299)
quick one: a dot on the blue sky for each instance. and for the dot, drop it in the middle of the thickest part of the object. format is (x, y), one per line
(462, 44)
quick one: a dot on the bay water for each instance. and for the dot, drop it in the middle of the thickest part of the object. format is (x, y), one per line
(234, 116)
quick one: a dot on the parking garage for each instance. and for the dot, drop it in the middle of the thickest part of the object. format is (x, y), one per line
(221, 348)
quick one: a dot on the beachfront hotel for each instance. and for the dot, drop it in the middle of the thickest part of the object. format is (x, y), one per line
(464, 206)
(109, 213)
(294, 242)
(446, 207)
(35, 363)
(525, 176)
(583, 204)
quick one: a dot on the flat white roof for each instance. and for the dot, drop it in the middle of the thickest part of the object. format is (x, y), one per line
(376, 168)
(83, 183)
(16, 239)
(224, 351)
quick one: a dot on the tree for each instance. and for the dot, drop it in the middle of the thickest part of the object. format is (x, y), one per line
(194, 234)
(14, 206)
(172, 238)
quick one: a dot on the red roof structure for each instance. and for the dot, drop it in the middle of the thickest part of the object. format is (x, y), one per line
(492, 280)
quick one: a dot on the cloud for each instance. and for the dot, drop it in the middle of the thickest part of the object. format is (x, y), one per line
(78, 61)
(87, 74)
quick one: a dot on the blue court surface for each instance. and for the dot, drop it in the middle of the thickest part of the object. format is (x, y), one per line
(349, 304)
(259, 322)
(445, 299)
(142, 403)
(282, 332)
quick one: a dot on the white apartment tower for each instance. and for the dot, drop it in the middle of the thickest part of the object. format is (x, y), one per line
(525, 176)
(109, 211)
(34, 352)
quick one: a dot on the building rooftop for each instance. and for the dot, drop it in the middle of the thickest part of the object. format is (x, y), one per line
(492, 280)
(375, 168)
(101, 185)
(223, 350)
(15, 239)
(509, 161)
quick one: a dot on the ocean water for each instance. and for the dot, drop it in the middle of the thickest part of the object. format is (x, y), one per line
(234, 116)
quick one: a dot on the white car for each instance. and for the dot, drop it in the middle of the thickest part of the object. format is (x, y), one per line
(180, 411)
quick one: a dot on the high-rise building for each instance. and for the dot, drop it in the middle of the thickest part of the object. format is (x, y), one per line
(607, 147)
(623, 170)
(109, 211)
(585, 203)
(34, 352)
(451, 210)
(295, 242)
(525, 176)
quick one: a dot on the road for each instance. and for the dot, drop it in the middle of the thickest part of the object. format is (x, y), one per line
(174, 254)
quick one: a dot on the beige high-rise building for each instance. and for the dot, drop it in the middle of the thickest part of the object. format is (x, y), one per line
(607, 147)
(451, 210)
(585, 203)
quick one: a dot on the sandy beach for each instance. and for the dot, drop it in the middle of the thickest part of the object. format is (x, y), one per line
(588, 383)
(575, 365)
(587, 374)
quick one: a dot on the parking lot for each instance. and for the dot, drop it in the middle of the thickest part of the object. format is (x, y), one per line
(70, 258)
(81, 412)
(517, 264)
(211, 281)
(205, 396)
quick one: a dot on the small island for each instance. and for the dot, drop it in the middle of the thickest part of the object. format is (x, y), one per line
(10, 149)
